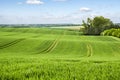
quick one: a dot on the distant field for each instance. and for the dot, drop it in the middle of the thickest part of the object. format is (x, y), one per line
(69, 27)
(57, 54)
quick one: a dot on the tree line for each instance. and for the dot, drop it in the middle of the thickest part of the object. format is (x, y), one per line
(98, 25)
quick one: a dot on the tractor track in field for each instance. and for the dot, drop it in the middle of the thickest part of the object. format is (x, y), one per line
(89, 50)
(55, 43)
(52, 45)
(11, 43)
(44, 49)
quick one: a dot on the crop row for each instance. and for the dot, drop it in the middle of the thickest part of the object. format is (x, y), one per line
(11, 43)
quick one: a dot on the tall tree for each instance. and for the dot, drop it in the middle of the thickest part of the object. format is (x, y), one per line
(96, 25)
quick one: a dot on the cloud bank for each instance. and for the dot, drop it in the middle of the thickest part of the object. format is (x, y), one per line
(85, 9)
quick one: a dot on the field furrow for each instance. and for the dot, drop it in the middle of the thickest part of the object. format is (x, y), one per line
(11, 43)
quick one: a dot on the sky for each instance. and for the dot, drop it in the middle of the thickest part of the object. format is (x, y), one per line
(57, 11)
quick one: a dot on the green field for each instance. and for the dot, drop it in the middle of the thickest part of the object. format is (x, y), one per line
(57, 54)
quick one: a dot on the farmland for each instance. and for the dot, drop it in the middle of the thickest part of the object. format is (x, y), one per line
(57, 54)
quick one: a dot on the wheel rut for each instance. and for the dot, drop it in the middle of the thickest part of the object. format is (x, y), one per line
(89, 50)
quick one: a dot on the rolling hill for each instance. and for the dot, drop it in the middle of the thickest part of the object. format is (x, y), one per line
(36, 53)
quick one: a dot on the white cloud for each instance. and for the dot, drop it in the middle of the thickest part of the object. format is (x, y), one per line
(48, 18)
(85, 9)
(35, 2)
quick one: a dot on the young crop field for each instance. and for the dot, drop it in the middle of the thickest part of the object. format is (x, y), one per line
(57, 54)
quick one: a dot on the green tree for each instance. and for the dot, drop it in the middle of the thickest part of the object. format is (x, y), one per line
(97, 25)
(112, 32)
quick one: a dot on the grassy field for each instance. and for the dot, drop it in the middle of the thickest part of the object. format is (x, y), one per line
(57, 54)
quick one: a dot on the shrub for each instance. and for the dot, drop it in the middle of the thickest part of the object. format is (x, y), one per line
(112, 32)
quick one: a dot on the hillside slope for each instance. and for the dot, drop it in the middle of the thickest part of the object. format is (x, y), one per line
(57, 54)
(56, 42)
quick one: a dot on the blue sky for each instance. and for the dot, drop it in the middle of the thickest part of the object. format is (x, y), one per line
(56, 11)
